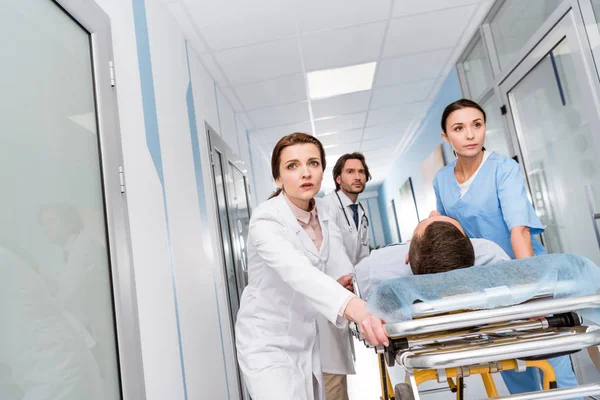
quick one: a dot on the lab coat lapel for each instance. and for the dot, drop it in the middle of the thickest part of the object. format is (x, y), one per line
(293, 223)
(324, 222)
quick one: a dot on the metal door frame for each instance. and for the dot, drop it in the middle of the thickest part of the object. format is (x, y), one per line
(216, 143)
(91, 17)
(565, 28)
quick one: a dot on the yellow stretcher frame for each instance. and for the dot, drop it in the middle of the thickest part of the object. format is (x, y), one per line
(485, 371)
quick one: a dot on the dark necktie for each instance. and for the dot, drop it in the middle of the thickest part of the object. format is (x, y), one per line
(354, 208)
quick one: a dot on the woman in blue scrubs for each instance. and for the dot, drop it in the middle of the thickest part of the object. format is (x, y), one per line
(486, 193)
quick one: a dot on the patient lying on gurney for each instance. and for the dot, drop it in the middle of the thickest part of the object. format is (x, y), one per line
(445, 248)
(438, 248)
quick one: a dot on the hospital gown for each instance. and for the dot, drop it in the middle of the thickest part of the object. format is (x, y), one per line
(495, 203)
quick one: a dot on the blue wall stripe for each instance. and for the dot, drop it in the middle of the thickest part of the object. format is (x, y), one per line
(153, 143)
(146, 77)
(191, 108)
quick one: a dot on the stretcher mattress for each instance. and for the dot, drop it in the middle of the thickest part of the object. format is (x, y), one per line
(483, 287)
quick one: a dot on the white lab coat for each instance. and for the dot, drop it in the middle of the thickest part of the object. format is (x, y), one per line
(276, 329)
(355, 250)
(336, 344)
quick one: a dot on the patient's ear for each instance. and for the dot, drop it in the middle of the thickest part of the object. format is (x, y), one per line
(406, 260)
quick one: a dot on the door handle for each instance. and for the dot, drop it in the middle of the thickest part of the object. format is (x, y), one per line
(595, 216)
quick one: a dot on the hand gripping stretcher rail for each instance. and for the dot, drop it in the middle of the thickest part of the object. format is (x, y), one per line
(441, 342)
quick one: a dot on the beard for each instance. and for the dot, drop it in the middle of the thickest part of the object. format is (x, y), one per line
(351, 189)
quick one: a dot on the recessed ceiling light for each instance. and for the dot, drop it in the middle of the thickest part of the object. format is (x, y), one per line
(330, 146)
(334, 82)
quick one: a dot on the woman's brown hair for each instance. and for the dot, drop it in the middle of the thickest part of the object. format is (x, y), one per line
(290, 140)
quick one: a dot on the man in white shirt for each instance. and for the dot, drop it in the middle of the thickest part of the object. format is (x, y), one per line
(350, 174)
(434, 248)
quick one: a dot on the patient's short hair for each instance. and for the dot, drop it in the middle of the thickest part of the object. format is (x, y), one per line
(442, 247)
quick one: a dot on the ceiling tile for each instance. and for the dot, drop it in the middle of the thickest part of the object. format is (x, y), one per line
(272, 135)
(389, 115)
(185, 20)
(232, 23)
(401, 94)
(337, 105)
(342, 47)
(374, 132)
(427, 32)
(260, 62)
(287, 89)
(213, 70)
(351, 136)
(341, 123)
(403, 8)
(382, 142)
(411, 68)
(232, 99)
(245, 120)
(381, 154)
(318, 14)
(281, 115)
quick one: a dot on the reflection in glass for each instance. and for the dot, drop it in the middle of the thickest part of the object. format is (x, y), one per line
(478, 71)
(495, 138)
(228, 249)
(57, 339)
(240, 221)
(560, 150)
(515, 22)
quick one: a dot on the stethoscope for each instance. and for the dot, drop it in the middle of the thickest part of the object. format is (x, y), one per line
(364, 222)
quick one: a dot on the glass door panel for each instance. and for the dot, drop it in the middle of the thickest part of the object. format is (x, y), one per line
(240, 221)
(57, 336)
(230, 270)
(560, 152)
(556, 125)
(234, 218)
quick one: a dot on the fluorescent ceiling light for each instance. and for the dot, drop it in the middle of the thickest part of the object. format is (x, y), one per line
(334, 82)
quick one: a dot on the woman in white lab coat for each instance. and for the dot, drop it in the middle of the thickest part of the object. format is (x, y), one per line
(276, 330)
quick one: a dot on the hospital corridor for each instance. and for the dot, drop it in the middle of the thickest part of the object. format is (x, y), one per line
(300, 199)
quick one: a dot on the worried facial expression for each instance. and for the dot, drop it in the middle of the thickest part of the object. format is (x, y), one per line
(353, 178)
(300, 173)
(465, 131)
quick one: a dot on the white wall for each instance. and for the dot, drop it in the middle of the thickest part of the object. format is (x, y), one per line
(261, 168)
(173, 224)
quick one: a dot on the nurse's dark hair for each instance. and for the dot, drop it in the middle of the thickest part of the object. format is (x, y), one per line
(291, 140)
(441, 248)
(459, 105)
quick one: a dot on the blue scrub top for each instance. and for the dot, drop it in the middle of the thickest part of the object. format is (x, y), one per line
(495, 202)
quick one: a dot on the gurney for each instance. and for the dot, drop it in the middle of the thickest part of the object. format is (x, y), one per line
(512, 315)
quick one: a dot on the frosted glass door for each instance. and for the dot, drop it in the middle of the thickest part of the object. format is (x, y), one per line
(556, 123)
(57, 335)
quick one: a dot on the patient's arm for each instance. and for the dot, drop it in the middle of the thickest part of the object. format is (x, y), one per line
(520, 240)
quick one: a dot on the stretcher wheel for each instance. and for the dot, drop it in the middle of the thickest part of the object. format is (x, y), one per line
(403, 391)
